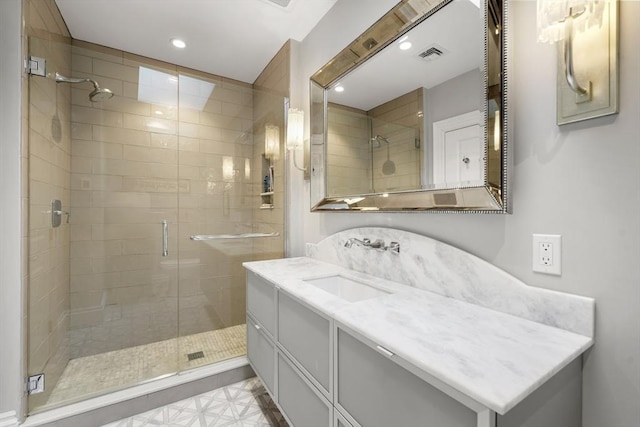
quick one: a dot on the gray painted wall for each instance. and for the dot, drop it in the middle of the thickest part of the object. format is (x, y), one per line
(10, 214)
(581, 181)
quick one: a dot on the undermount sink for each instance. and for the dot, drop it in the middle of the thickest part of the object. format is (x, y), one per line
(345, 288)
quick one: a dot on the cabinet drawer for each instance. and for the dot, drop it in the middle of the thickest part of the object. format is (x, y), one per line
(261, 301)
(306, 336)
(261, 352)
(376, 391)
(301, 403)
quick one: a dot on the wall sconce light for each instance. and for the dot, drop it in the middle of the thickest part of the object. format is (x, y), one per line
(295, 133)
(587, 83)
(272, 142)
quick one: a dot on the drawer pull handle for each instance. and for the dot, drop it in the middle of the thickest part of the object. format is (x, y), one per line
(384, 351)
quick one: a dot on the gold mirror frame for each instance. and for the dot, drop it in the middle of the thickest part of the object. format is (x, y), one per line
(492, 196)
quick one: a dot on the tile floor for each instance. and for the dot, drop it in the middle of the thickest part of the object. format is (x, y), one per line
(243, 404)
(94, 375)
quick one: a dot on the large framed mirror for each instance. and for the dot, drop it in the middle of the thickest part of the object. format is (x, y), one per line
(412, 115)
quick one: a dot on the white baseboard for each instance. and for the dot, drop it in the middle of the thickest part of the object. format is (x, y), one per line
(8, 419)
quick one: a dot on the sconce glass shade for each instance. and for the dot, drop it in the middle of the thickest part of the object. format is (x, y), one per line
(552, 15)
(295, 128)
(271, 142)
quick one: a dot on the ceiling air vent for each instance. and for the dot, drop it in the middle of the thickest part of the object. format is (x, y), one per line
(432, 52)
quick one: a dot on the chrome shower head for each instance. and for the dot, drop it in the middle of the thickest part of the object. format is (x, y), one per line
(98, 94)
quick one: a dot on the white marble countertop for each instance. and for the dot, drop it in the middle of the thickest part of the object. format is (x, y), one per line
(497, 359)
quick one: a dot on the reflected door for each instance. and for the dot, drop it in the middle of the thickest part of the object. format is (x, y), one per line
(458, 151)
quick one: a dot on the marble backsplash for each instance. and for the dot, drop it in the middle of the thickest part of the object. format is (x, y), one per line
(437, 267)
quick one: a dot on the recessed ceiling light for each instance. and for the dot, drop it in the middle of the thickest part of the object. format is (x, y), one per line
(180, 44)
(405, 45)
(339, 89)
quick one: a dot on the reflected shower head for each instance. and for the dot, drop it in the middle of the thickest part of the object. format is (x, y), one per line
(379, 139)
(97, 95)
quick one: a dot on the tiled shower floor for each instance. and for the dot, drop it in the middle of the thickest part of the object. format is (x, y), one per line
(92, 375)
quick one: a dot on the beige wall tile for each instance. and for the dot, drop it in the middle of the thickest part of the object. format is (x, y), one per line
(144, 154)
(149, 124)
(100, 150)
(122, 136)
(96, 116)
(115, 70)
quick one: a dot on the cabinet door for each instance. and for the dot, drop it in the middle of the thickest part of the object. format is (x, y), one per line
(339, 420)
(301, 402)
(261, 353)
(306, 336)
(377, 392)
(261, 302)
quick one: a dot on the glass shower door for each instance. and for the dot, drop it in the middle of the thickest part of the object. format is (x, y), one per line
(226, 216)
(103, 278)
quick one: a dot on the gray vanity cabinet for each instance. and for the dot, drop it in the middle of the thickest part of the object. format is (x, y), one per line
(261, 353)
(261, 329)
(261, 302)
(301, 402)
(375, 391)
(305, 336)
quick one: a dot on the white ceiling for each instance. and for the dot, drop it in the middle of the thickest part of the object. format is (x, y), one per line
(230, 38)
(394, 72)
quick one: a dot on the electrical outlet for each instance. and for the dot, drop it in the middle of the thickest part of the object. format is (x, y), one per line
(547, 251)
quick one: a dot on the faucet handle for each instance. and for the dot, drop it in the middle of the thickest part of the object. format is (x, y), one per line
(394, 247)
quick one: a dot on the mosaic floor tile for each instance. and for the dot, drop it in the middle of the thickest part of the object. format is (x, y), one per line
(93, 375)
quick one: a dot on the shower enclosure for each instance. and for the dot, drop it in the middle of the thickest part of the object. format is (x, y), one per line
(142, 208)
(372, 151)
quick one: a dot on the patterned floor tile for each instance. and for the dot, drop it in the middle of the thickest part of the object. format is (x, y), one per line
(244, 404)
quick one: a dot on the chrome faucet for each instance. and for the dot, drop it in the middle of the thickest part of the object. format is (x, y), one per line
(351, 241)
(377, 244)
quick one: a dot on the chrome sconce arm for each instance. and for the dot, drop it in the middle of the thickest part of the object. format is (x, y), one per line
(568, 56)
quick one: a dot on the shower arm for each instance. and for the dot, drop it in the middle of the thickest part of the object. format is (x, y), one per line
(62, 79)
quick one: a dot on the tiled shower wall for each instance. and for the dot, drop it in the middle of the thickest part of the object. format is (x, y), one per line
(399, 121)
(133, 165)
(271, 87)
(348, 151)
(46, 150)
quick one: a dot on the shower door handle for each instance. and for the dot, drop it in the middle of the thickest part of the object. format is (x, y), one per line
(165, 238)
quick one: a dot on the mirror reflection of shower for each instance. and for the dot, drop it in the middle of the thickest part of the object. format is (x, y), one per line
(388, 167)
(377, 140)
(97, 95)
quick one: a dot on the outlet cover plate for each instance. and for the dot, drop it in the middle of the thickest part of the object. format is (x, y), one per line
(547, 254)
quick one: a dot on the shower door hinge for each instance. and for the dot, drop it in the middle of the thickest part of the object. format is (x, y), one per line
(36, 66)
(35, 384)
